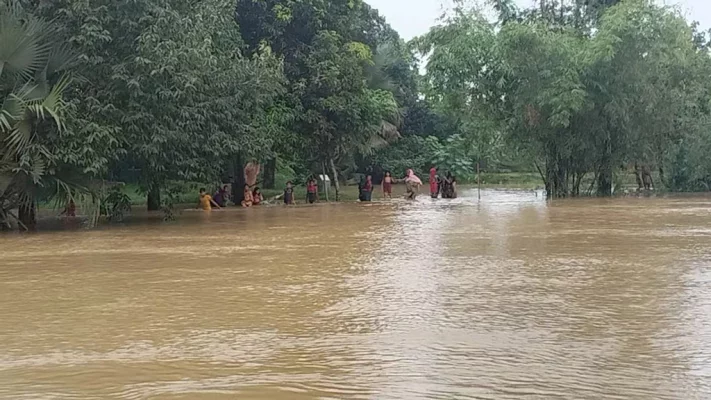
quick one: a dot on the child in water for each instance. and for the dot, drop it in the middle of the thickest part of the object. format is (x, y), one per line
(206, 202)
(387, 185)
(248, 198)
(289, 194)
(221, 196)
(257, 197)
(311, 191)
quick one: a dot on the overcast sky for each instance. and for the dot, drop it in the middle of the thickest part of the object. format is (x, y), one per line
(414, 17)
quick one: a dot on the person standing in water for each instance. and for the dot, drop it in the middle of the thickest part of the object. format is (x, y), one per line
(248, 198)
(311, 191)
(206, 202)
(387, 185)
(289, 194)
(446, 187)
(434, 183)
(257, 197)
(70, 210)
(221, 196)
(366, 189)
(413, 183)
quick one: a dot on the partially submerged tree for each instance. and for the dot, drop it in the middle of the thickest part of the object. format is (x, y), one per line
(42, 152)
(620, 88)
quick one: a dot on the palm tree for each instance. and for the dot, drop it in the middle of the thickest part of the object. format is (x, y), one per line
(33, 79)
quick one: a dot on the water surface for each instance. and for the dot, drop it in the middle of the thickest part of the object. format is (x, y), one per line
(505, 298)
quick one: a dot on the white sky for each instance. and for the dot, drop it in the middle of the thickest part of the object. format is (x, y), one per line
(414, 17)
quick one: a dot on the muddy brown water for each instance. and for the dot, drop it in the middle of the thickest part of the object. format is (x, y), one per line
(504, 298)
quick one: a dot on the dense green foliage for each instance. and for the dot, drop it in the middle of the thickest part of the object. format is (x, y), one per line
(154, 92)
(42, 148)
(587, 89)
(348, 75)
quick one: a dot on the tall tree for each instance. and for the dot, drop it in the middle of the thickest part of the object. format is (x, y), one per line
(620, 88)
(170, 76)
(41, 152)
(327, 49)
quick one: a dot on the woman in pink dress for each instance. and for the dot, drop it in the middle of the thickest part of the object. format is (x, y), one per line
(413, 183)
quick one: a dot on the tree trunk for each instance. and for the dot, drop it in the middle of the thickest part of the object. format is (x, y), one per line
(154, 202)
(326, 185)
(270, 174)
(238, 180)
(557, 176)
(604, 181)
(28, 216)
(577, 180)
(550, 180)
(638, 177)
(563, 181)
(336, 183)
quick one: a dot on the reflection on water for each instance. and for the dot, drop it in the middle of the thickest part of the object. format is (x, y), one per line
(504, 298)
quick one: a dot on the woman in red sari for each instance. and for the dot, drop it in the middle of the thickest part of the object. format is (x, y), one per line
(434, 183)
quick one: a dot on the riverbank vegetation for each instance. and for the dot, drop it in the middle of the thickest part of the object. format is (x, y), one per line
(153, 94)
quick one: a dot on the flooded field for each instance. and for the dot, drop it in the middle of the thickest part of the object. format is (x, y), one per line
(508, 297)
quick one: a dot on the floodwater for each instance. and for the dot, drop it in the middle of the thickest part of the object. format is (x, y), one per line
(509, 297)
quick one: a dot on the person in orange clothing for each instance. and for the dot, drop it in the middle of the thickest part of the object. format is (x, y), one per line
(206, 201)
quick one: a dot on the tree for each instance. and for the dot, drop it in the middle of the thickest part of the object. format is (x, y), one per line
(41, 152)
(643, 81)
(169, 75)
(465, 82)
(582, 87)
(546, 92)
(328, 50)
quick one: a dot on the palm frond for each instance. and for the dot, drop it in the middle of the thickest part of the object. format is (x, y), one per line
(53, 104)
(18, 138)
(61, 58)
(23, 48)
(5, 181)
(12, 110)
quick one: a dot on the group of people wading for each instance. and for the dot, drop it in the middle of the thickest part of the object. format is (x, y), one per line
(445, 186)
(253, 196)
